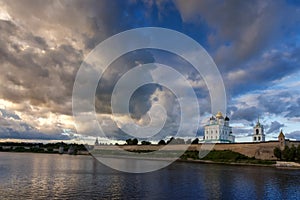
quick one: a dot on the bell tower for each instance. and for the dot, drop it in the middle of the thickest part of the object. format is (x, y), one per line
(258, 132)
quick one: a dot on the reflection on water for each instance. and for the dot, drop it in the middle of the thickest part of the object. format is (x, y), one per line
(45, 176)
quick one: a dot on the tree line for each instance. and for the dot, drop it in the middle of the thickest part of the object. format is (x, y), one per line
(172, 140)
(39, 147)
(288, 153)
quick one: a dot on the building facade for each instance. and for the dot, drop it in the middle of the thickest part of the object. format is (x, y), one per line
(282, 141)
(96, 142)
(218, 130)
(258, 133)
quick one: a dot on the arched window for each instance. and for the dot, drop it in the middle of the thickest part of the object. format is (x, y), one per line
(257, 131)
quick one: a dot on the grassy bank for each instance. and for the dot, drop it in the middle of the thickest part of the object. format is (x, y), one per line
(225, 156)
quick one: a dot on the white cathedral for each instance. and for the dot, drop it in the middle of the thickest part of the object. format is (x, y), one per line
(218, 130)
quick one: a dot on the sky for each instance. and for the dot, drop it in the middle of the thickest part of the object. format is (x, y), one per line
(255, 45)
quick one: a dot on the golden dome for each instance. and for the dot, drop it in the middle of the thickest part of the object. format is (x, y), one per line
(219, 115)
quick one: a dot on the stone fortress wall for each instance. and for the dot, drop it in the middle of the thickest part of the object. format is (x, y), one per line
(261, 150)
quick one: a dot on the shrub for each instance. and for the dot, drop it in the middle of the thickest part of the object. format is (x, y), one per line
(298, 153)
(195, 141)
(162, 142)
(145, 143)
(277, 153)
(132, 142)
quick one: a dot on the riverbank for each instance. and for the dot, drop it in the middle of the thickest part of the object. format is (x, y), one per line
(273, 164)
(278, 164)
(284, 164)
(225, 157)
(169, 153)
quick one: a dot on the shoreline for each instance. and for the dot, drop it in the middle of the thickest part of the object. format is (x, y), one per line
(277, 165)
(287, 166)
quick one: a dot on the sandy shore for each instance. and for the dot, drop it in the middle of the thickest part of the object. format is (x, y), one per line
(284, 164)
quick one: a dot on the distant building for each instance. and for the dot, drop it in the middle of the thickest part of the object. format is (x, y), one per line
(282, 141)
(258, 133)
(218, 130)
(96, 142)
(61, 150)
(71, 150)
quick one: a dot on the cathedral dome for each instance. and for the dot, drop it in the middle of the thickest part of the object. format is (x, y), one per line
(219, 115)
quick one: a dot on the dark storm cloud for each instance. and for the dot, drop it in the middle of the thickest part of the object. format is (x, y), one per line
(245, 27)
(263, 72)
(49, 43)
(293, 135)
(140, 101)
(41, 48)
(240, 132)
(45, 50)
(42, 77)
(12, 126)
(249, 114)
(270, 102)
(8, 114)
(274, 103)
(10, 133)
(294, 109)
(275, 127)
(241, 35)
(279, 103)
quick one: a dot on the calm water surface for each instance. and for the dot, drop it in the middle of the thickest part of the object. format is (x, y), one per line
(45, 176)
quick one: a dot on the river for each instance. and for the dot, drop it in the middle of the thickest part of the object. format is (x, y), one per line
(47, 176)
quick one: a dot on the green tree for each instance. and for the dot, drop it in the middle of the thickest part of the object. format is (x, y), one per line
(129, 141)
(135, 141)
(170, 140)
(289, 154)
(285, 153)
(292, 153)
(162, 142)
(298, 153)
(145, 143)
(277, 153)
(189, 141)
(178, 141)
(195, 141)
(132, 141)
